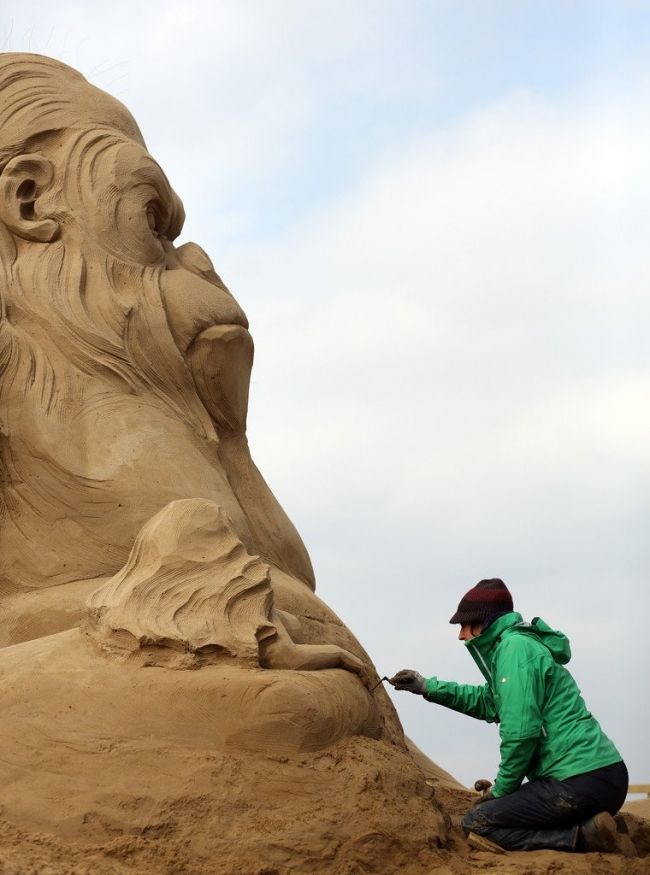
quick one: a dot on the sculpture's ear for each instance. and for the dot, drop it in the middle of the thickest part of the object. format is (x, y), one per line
(24, 180)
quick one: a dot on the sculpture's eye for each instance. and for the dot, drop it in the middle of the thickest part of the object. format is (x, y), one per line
(158, 218)
(154, 220)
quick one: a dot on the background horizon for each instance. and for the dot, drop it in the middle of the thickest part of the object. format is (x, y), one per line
(435, 216)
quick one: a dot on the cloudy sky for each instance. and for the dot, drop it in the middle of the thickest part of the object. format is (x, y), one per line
(435, 215)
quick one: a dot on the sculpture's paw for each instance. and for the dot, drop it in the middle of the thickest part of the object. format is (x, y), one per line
(352, 663)
(220, 707)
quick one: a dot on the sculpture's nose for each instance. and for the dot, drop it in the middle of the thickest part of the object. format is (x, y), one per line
(193, 303)
(195, 259)
(192, 257)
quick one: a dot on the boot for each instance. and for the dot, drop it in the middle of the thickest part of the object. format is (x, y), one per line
(480, 843)
(599, 833)
(625, 843)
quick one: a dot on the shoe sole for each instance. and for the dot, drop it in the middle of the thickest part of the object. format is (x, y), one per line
(479, 843)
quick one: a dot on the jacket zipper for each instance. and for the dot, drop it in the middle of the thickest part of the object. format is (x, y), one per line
(485, 665)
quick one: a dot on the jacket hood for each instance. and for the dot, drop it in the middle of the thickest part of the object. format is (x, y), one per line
(556, 642)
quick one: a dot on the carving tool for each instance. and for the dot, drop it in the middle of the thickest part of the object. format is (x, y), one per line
(380, 681)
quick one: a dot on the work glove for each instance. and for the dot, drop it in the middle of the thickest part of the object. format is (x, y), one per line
(408, 679)
(482, 786)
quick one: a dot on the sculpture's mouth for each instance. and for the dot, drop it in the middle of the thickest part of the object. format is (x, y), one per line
(210, 330)
(220, 359)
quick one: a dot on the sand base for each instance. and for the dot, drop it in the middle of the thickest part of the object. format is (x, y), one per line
(109, 767)
(217, 770)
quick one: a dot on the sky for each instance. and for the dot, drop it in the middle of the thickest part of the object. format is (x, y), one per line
(435, 215)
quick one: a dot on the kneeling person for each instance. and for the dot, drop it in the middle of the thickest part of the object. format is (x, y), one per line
(577, 777)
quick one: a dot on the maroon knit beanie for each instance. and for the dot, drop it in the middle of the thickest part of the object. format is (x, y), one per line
(487, 599)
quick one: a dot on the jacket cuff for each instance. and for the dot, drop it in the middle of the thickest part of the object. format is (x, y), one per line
(430, 686)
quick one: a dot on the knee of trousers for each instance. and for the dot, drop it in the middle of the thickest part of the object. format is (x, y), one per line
(473, 821)
(477, 819)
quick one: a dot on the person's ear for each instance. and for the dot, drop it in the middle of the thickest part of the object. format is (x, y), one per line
(23, 182)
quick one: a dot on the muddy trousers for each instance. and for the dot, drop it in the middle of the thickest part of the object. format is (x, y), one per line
(547, 813)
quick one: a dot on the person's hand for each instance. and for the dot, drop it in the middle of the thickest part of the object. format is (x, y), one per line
(408, 679)
(484, 797)
(482, 786)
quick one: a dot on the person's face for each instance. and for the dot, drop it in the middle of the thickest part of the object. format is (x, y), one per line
(469, 631)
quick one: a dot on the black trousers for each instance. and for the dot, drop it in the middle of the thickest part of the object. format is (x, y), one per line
(547, 813)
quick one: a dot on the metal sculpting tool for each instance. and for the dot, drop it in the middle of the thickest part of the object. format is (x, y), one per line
(380, 681)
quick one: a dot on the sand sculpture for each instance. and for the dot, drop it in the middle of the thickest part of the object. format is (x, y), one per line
(165, 663)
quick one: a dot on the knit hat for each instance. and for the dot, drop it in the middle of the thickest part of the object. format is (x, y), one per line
(488, 599)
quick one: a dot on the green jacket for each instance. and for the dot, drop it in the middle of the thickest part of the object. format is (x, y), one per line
(545, 728)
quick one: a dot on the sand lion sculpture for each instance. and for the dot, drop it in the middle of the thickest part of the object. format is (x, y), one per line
(165, 663)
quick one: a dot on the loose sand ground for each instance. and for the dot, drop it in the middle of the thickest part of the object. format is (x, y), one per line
(145, 806)
(108, 768)
(171, 844)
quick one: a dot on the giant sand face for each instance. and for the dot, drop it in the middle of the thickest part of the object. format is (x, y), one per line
(156, 603)
(123, 356)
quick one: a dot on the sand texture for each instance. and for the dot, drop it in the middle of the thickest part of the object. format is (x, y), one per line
(176, 698)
